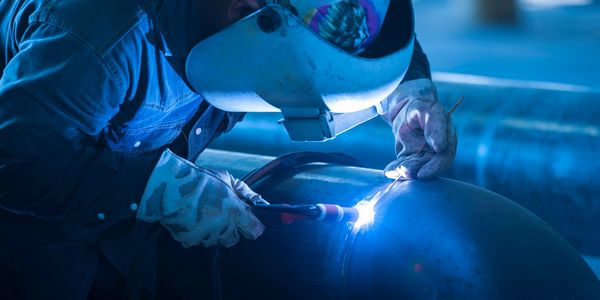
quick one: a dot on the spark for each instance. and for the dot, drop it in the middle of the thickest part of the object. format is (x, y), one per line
(366, 213)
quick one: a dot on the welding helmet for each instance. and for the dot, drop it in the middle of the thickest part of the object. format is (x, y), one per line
(326, 65)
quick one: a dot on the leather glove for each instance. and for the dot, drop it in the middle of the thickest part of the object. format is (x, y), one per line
(418, 120)
(199, 206)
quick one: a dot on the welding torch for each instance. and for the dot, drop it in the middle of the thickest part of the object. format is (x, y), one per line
(287, 214)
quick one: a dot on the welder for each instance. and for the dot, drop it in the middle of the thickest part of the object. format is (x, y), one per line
(104, 105)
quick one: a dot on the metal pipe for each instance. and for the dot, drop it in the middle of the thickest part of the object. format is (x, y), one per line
(536, 143)
(437, 239)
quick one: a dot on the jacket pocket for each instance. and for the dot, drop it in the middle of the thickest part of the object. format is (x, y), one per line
(136, 140)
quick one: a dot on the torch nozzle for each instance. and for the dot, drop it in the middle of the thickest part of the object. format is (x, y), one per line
(287, 214)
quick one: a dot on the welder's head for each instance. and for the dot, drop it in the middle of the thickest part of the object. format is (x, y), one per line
(307, 59)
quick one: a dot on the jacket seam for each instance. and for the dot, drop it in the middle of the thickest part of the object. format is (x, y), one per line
(169, 125)
(180, 100)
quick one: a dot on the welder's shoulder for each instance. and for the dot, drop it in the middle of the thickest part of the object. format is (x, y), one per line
(100, 24)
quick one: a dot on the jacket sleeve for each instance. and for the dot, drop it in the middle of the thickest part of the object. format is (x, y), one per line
(56, 97)
(419, 65)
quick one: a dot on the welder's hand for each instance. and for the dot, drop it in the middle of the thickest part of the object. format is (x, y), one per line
(418, 120)
(199, 206)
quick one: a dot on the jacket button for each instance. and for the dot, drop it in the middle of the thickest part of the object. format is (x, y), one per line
(137, 144)
(101, 216)
(133, 207)
(198, 131)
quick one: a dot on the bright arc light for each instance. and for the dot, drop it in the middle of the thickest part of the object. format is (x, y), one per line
(366, 213)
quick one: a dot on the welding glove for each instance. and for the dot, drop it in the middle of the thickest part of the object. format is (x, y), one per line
(199, 206)
(419, 122)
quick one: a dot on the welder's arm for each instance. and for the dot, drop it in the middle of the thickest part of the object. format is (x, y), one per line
(56, 96)
(419, 65)
(424, 134)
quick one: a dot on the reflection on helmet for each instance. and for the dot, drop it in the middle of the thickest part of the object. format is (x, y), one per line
(349, 24)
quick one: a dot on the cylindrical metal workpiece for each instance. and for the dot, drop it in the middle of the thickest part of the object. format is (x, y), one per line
(440, 239)
(536, 143)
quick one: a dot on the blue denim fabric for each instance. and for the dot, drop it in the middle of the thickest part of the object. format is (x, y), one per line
(86, 92)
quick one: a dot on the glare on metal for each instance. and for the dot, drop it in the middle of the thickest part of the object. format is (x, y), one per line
(366, 213)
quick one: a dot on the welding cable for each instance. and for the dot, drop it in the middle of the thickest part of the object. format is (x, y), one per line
(217, 290)
(283, 164)
(288, 162)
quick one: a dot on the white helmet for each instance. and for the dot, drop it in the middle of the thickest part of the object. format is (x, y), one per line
(308, 59)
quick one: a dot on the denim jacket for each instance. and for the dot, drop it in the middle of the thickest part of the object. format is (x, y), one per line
(90, 90)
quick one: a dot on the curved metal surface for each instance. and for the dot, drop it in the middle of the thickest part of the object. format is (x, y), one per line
(536, 144)
(441, 239)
